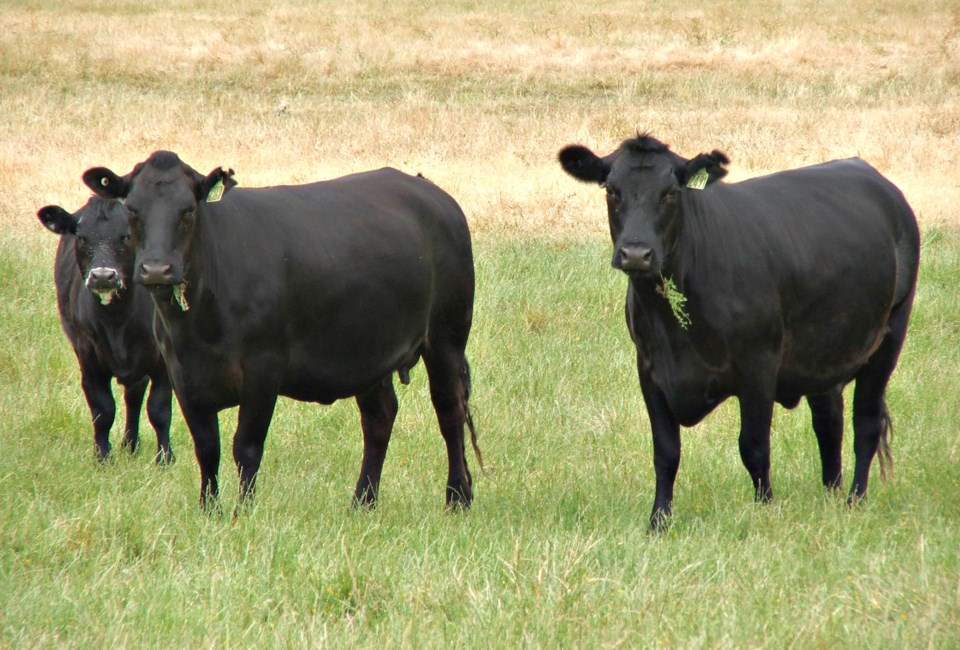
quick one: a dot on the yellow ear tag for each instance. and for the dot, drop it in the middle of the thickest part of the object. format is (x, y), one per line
(699, 180)
(216, 192)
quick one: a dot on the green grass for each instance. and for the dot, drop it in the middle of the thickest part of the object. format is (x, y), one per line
(555, 551)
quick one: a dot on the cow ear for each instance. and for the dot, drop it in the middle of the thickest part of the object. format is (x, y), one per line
(216, 184)
(57, 220)
(583, 164)
(710, 163)
(105, 183)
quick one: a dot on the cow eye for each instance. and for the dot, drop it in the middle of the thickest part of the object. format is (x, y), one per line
(186, 219)
(671, 194)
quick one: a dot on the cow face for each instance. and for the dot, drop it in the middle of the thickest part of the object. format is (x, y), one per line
(101, 242)
(645, 183)
(161, 197)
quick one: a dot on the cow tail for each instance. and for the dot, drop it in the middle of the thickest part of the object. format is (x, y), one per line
(883, 449)
(465, 380)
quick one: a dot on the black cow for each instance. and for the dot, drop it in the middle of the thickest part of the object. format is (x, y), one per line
(109, 321)
(316, 292)
(795, 284)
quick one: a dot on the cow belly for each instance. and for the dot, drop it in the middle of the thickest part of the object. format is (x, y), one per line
(793, 383)
(827, 357)
(361, 345)
(325, 379)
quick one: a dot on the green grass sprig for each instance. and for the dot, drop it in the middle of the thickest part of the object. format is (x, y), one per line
(668, 289)
(179, 295)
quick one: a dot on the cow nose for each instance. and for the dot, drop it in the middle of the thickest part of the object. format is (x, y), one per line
(101, 276)
(635, 257)
(156, 273)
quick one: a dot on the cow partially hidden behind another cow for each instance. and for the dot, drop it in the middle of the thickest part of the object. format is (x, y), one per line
(317, 292)
(109, 321)
(771, 289)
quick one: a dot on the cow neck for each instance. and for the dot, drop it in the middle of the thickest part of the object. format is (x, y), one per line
(694, 236)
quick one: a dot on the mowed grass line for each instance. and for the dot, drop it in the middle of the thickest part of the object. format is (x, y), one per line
(555, 551)
(478, 96)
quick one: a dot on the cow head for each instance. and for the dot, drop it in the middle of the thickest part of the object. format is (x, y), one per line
(645, 184)
(161, 197)
(101, 243)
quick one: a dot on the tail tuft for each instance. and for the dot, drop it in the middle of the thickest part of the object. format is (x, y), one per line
(465, 379)
(883, 449)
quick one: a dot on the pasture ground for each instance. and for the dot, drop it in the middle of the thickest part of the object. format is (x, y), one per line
(479, 97)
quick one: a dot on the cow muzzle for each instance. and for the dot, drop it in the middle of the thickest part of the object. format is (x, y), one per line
(157, 274)
(634, 258)
(105, 283)
(103, 278)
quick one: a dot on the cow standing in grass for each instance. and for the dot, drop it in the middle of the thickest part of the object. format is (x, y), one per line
(781, 287)
(318, 292)
(109, 321)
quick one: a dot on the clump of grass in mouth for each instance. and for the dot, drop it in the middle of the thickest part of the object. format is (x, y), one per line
(106, 297)
(668, 289)
(179, 295)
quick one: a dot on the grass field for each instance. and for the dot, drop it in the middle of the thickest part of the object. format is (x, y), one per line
(479, 97)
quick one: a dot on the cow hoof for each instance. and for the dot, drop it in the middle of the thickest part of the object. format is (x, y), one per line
(164, 458)
(854, 500)
(764, 496)
(459, 500)
(131, 445)
(210, 505)
(365, 496)
(660, 522)
(364, 503)
(101, 454)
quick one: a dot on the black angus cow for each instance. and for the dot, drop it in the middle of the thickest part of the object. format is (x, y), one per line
(109, 321)
(795, 284)
(316, 292)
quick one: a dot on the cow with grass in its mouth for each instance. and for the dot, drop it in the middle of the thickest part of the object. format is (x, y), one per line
(109, 321)
(770, 290)
(317, 292)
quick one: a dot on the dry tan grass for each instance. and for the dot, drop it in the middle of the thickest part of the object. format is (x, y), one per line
(478, 96)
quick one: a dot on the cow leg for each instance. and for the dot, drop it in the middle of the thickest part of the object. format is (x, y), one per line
(756, 415)
(378, 410)
(133, 400)
(205, 431)
(871, 421)
(253, 421)
(158, 411)
(826, 410)
(103, 409)
(666, 451)
(447, 372)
